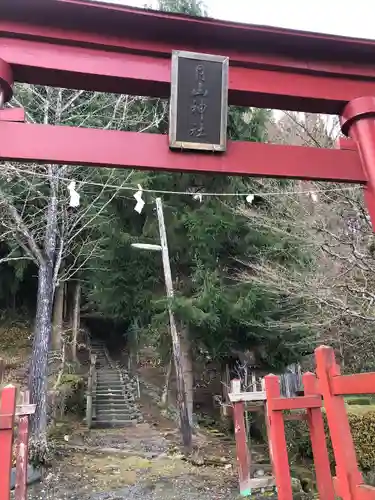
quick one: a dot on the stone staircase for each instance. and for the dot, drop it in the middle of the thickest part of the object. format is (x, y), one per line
(114, 401)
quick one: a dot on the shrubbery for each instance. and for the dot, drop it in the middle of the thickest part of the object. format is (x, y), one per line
(362, 423)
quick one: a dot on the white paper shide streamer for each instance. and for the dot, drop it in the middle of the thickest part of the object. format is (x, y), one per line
(74, 196)
(140, 203)
(198, 197)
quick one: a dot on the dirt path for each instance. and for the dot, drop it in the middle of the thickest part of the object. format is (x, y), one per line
(141, 462)
(83, 477)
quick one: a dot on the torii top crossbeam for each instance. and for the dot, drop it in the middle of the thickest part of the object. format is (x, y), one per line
(316, 73)
(103, 47)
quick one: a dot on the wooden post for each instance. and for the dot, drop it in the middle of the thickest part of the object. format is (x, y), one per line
(7, 414)
(277, 441)
(2, 370)
(348, 474)
(318, 442)
(90, 385)
(243, 455)
(76, 318)
(22, 451)
(185, 425)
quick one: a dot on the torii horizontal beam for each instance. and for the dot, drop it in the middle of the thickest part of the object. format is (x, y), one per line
(109, 148)
(60, 64)
(101, 47)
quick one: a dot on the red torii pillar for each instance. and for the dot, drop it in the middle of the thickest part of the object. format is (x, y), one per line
(358, 122)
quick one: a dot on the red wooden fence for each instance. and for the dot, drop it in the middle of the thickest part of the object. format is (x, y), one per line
(10, 415)
(333, 386)
(326, 388)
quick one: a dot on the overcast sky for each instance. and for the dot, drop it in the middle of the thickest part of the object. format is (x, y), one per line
(338, 17)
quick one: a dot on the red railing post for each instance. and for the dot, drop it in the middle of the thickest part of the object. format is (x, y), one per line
(318, 442)
(7, 413)
(22, 451)
(277, 441)
(243, 455)
(348, 474)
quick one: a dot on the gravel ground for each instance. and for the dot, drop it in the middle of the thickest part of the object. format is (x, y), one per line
(142, 438)
(182, 488)
(130, 464)
(103, 478)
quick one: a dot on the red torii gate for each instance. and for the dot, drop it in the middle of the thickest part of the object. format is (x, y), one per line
(102, 47)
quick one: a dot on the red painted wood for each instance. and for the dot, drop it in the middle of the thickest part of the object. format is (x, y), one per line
(62, 65)
(365, 492)
(279, 46)
(279, 404)
(323, 85)
(40, 62)
(22, 452)
(347, 470)
(276, 432)
(6, 80)
(7, 411)
(243, 455)
(361, 383)
(358, 121)
(346, 144)
(12, 115)
(135, 41)
(96, 147)
(318, 442)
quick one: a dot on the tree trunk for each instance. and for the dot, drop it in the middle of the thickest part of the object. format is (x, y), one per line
(164, 396)
(69, 303)
(187, 365)
(58, 311)
(76, 319)
(38, 381)
(39, 363)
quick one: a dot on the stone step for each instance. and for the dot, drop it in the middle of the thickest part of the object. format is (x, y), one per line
(106, 390)
(116, 395)
(109, 401)
(105, 387)
(110, 388)
(103, 373)
(120, 415)
(109, 410)
(109, 396)
(101, 385)
(112, 404)
(112, 383)
(106, 380)
(109, 379)
(115, 423)
(110, 373)
(103, 410)
(115, 406)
